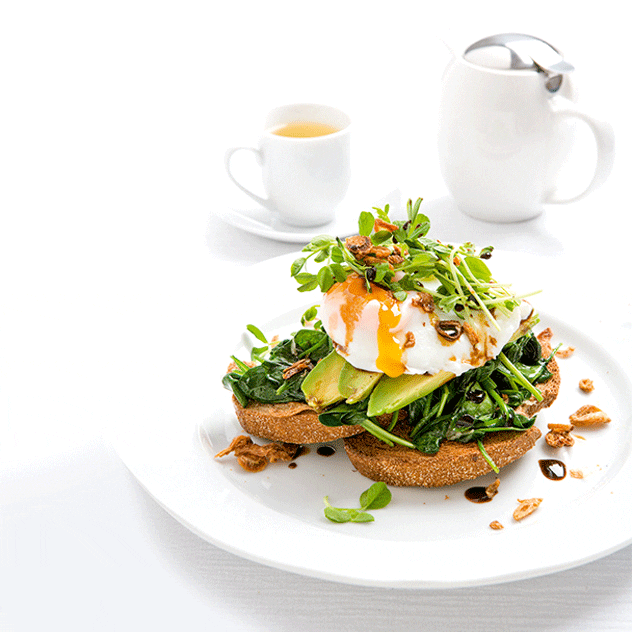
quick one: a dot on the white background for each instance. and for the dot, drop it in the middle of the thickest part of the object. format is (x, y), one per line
(115, 282)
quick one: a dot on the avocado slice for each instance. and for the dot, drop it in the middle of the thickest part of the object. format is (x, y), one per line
(393, 393)
(321, 384)
(356, 384)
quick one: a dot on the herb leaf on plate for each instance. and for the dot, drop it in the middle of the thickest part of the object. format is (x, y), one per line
(376, 497)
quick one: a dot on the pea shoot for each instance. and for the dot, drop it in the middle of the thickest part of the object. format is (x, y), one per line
(376, 497)
(398, 256)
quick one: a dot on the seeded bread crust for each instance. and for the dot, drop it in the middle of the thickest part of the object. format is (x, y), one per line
(549, 389)
(291, 422)
(454, 462)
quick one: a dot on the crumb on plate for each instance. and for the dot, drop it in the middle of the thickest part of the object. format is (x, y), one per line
(589, 415)
(565, 352)
(526, 507)
(559, 435)
(586, 385)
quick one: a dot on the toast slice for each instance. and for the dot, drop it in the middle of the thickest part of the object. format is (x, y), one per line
(455, 461)
(549, 389)
(291, 422)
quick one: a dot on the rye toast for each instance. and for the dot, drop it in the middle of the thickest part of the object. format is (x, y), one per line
(454, 462)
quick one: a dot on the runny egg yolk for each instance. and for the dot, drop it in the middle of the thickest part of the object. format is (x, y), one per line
(352, 298)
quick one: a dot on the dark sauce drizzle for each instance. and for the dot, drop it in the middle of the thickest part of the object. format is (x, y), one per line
(553, 469)
(300, 451)
(477, 495)
(325, 450)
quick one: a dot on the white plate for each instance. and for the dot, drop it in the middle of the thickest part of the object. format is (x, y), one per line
(424, 538)
(240, 211)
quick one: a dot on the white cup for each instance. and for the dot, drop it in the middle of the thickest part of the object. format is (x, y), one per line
(305, 178)
(503, 139)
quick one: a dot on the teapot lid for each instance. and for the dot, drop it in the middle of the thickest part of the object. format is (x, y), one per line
(515, 51)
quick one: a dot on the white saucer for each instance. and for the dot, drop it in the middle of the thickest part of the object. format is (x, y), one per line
(240, 211)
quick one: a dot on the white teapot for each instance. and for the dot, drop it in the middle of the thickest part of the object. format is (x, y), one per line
(504, 132)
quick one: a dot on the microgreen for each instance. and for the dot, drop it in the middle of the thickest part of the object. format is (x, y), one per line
(257, 333)
(309, 318)
(257, 354)
(376, 497)
(463, 282)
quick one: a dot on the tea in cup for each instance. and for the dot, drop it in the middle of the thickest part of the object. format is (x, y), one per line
(304, 154)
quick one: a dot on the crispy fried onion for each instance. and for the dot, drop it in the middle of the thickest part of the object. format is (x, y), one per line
(254, 458)
(358, 245)
(410, 340)
(526, 507)
(471, 334)
(492, 489)
(424, 301)
(589, 415)
(586, 385)
(363, 249)
(449, 329)
(380, 224)
(559, 435)
(297, 367)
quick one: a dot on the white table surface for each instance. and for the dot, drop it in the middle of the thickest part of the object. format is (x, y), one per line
(113, 124)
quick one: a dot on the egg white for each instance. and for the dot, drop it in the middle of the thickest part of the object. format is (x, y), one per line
(431, 352)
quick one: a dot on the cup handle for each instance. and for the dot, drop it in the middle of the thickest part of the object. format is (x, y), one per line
(604, 137)
(265, 202)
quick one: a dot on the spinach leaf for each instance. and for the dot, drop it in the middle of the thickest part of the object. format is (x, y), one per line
(429, 440)
(231, 382)
(345, 415)
(482, 400)
(265, 382)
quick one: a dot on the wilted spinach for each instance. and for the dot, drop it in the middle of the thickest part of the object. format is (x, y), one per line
(264, 382)
(482, 400)
(466, 408)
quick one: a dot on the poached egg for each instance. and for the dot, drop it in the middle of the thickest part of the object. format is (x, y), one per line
(374, 331)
